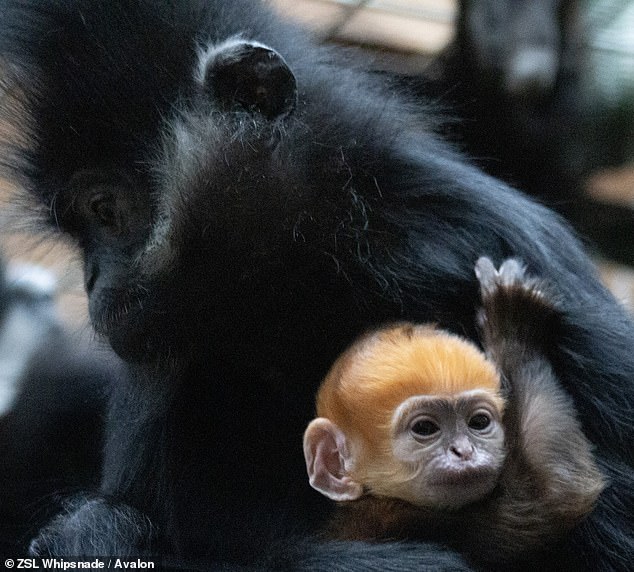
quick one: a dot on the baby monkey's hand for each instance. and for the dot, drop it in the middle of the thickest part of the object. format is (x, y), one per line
(517, 309)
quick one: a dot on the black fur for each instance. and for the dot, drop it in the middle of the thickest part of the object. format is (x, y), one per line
(254, 250)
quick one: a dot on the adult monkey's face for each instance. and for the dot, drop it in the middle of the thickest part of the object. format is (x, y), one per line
(173, 211)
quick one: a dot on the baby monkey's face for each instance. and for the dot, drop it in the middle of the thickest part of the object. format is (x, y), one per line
(449, 450)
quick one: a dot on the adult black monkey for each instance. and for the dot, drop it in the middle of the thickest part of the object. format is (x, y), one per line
(247, 205)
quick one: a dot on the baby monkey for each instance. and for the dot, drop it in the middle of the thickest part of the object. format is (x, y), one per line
(420, 435)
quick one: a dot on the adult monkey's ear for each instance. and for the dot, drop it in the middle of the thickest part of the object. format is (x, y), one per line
(248, 75)
(327, 454)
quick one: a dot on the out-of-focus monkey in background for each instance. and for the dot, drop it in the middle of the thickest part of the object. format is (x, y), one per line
(429, 437)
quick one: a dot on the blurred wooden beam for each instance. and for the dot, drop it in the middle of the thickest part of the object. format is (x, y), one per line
(421, 26)
(615, 185)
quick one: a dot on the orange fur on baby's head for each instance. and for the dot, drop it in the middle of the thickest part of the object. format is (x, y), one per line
(384, 368)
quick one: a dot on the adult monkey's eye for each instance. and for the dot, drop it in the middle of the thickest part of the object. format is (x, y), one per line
(424, 428)
(479, 421)
(103, 209)
(96, 199)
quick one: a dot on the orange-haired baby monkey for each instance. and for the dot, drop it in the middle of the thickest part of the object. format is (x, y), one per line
(430, 439)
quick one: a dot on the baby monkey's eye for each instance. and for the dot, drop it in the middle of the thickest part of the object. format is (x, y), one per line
(424, 428)
(479, 421)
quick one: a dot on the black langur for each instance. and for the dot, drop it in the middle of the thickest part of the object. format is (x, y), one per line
(247, 204)
(418, 431)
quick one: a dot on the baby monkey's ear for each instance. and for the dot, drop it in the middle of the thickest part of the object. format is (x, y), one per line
(327, 453)
(248, 75)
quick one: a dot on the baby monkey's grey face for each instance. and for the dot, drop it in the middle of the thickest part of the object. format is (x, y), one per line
(451, 448)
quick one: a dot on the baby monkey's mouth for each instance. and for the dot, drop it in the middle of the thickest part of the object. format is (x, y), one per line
(472, 476)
